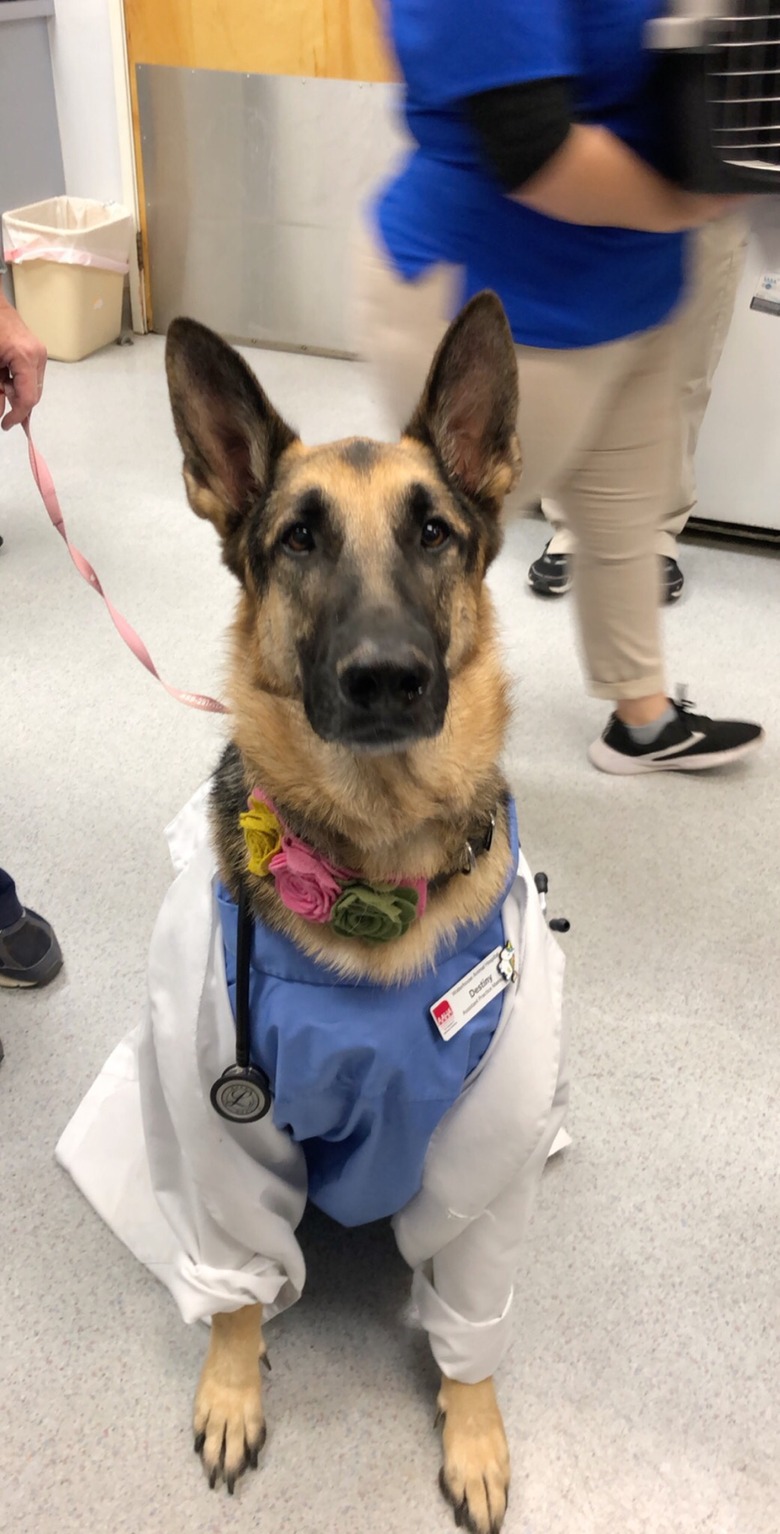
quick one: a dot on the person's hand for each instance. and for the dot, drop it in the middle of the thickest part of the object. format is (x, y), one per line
(22, 366)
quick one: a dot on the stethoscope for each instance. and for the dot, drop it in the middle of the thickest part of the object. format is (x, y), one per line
(242, 1095)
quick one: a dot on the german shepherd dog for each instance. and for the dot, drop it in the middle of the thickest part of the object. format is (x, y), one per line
(368, 699)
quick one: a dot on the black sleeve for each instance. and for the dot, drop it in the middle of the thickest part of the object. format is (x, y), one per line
(520, 127)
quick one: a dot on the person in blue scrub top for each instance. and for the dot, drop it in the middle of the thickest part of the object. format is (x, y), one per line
(536, 170)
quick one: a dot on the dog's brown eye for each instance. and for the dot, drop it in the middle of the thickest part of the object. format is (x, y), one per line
(435, 533)
(299, 538)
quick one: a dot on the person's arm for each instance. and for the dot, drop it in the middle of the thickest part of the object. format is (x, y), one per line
(22, 366)
(594, 178)
(578, 173)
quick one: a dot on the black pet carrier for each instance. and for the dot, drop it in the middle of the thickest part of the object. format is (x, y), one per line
(719, 79)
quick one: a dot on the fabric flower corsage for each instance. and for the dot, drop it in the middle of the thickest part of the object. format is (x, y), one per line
(312, 887)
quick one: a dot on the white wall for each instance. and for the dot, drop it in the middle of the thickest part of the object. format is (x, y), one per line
(28, 119)
(82, 62)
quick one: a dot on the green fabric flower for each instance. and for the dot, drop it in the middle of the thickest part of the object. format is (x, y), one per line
(377, 913)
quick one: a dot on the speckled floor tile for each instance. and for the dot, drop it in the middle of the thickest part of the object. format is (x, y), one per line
(641, 1393)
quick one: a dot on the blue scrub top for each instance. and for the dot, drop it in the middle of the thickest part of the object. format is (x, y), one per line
(562, 285)
(360, 1074)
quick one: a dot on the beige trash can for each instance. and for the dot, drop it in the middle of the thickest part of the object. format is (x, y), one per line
(69, 257)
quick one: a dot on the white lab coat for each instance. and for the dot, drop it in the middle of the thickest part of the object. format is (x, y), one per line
(212, 1208)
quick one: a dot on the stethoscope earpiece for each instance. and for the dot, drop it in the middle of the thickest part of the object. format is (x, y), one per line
(558, 923)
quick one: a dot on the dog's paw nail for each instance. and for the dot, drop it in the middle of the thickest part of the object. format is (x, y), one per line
(265, 1361)
(262, 1438)
(231, 1484)
(199, 1442)
(213, 1479)
(252, 1451)
(439, 1418)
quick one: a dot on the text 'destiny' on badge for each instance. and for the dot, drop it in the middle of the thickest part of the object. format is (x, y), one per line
(466, 999)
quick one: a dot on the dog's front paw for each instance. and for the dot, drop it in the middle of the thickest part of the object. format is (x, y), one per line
(228, 1420)
(475, 1474)
(229, 1428)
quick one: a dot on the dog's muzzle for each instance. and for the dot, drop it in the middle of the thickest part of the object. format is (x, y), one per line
(381, 693)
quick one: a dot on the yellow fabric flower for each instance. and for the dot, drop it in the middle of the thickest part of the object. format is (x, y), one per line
(263, 836)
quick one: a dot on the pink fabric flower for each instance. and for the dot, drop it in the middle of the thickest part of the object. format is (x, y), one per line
(306, 882)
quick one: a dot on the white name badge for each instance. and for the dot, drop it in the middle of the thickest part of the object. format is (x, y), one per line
(466, 999)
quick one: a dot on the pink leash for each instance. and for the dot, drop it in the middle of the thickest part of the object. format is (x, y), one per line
(134, 642)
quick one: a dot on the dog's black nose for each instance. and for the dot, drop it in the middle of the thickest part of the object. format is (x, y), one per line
(386, 686)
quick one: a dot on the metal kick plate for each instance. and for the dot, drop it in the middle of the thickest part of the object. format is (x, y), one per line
(253, 184)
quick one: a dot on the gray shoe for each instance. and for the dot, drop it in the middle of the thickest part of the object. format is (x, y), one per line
(29, 952)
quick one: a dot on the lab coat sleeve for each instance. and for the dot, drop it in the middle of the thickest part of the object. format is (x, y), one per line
(209, 1207)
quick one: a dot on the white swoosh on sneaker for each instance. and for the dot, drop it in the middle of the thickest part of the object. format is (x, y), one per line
(678, 749)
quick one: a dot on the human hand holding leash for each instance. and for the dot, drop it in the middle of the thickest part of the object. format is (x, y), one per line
(22, 367)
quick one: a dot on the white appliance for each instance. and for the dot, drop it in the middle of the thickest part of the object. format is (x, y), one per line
(738, 459)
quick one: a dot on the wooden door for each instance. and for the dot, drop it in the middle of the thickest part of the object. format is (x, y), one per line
(325, 39)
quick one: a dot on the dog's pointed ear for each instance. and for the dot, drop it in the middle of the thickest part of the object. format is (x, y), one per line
(230, 434)
(468, 409)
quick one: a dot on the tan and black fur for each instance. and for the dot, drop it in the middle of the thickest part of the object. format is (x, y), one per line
(368, 700)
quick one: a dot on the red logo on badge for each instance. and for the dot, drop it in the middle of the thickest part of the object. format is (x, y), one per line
(443, 1012)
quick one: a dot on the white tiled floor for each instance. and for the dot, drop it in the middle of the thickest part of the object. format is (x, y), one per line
(642, 1393)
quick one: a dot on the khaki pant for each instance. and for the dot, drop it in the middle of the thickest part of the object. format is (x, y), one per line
(599, 430)
(717, 259)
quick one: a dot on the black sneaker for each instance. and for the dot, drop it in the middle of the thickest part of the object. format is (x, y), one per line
(29, 952)
(690, 742)
(672, 578)
(550, 574)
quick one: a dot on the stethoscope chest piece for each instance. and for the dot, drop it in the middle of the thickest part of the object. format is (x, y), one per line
(242, 1095)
